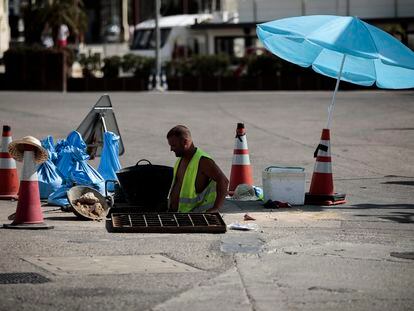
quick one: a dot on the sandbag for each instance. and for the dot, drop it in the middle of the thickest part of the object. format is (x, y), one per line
(59, 197)
(73, 165)
(49, 178)
(73, 140)
(85, 174)
(109, 158)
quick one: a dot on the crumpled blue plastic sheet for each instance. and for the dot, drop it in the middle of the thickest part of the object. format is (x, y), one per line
(73, 165)
(48, 144)
(74, 139)
(69, 159)
(59, 197)
(85, 174)
(109, 159)
(48, 176)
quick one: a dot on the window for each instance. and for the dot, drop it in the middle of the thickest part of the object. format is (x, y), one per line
(234, 46)
(144, 39)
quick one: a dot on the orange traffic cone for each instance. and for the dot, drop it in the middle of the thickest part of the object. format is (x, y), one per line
(29, 212)
(9, 181)
(241, 170)
(321, 190)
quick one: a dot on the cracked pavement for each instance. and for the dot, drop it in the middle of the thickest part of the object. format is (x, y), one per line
(354, 256)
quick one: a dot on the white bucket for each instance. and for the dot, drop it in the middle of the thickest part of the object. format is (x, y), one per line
(284, 184)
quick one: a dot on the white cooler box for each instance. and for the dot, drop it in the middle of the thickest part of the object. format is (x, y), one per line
(284, 184)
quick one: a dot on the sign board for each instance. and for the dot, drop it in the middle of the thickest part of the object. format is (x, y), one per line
(99, 120)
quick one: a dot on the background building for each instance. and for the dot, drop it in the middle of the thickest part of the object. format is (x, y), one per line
(231, 29)
(4, 27)
(393, 16)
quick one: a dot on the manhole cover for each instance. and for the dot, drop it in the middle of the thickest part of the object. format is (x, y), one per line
(22, 278)
(99, 265)
(406, 255)
(166, 223)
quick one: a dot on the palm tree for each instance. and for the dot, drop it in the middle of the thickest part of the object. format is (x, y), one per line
(54, 13)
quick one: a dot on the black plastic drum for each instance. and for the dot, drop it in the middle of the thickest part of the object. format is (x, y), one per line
(146, 185)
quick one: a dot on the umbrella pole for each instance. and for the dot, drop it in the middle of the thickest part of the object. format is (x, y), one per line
(332, 105)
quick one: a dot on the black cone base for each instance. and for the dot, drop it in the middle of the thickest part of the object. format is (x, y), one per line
(323, 199)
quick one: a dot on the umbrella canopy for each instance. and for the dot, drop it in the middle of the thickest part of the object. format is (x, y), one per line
(322, 41)
(341, 47)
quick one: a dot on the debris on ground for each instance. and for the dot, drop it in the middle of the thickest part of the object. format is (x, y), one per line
(276, 204)
(248, 217)
(243, 227)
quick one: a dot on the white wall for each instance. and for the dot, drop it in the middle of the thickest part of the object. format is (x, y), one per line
(405, 8)
(274, 9)
(315, 7)
(372, 9)
(268, 9)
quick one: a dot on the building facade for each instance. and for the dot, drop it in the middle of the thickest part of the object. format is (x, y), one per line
(232, 28)
(4, 27)
(393, 16)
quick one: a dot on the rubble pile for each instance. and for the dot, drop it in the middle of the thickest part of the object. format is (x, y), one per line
(89, 206)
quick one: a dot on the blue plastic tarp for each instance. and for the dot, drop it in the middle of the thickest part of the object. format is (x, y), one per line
(109, 158)
(48, 176)
(73, 165)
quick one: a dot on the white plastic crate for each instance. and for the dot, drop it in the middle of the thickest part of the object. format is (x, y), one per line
(285, 184)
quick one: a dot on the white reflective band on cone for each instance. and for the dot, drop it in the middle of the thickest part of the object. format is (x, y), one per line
(323, 167)
(241, 159)
(5, 143)
(8, 163)
(29, 167)
(325, 153)
(240, 144)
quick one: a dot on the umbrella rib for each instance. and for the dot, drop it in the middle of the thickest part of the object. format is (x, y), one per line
(370, 36)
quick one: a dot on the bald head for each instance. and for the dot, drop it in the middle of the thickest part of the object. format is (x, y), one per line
(179, 131)
(180, 141)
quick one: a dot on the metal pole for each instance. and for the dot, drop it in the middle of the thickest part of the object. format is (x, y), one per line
(125, 25)
(395, 8)
(158, 86)
(254, 11)
(332, 105)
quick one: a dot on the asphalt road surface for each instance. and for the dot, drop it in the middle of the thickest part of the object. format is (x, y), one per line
(356, 256)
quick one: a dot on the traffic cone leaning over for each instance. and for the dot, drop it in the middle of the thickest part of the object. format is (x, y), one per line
(29, 212)
(9, 181)
(321, 190)
(241, 170)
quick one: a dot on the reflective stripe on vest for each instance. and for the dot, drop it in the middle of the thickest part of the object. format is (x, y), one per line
(189, 198)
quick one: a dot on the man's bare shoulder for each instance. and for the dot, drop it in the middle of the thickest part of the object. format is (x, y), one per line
(206, 163)
(209, 168)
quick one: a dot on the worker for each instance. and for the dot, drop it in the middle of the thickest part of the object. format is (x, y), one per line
(198, 184)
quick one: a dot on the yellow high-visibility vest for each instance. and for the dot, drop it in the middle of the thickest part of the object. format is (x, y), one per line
(189, 198)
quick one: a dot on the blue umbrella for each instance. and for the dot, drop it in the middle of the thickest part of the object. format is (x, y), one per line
(341, 47)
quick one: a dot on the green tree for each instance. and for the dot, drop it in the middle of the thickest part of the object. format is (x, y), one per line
(54, 13)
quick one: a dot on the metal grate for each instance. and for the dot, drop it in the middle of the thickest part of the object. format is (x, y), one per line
(22, 278)
(166, 222)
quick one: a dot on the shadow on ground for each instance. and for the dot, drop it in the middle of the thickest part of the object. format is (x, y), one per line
(401, 213)
(394, 212)
(400, 182)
